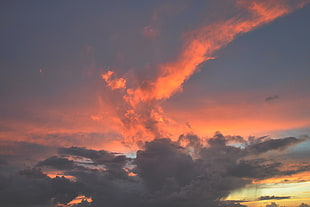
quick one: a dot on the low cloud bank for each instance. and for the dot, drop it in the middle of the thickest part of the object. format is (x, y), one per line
(187, 172)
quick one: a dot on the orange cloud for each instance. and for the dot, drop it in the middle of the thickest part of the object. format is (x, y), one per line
(200, 45)
(112, 82)
(296, 178)
(137, 112)
(142, 116)
(79, 199)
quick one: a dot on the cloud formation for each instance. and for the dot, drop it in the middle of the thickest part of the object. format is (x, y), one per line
(139, 105)
(273, 197)
(272, 98)
(189, 172)
(30, 187)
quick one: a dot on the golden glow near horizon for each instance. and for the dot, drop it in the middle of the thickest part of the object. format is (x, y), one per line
(297, 193)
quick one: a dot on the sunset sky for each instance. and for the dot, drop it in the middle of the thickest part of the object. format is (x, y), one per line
(155, 103)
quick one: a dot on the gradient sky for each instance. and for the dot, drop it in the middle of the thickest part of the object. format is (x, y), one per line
(176, 67)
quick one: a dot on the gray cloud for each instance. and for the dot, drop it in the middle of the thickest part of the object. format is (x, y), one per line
(163, 161)
(32, 187)
(189, 172)
(98, 157)
(257, 168)
(273, 144)
(273, 197)
(271, 98)
(59, 163)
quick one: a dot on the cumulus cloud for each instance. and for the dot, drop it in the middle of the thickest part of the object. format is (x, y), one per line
(32, 187)
(188, 172)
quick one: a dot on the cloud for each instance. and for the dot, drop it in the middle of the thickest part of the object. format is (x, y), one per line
(273, 204)
(113, 163)
(189, 172)
(256, 168)
(273, 197)
(33, 173)
(176, 167)
(32, 187)
(98, 157)
(273, 144)
(112, 81)
(59, 163)
(271, 98)
(140, 110)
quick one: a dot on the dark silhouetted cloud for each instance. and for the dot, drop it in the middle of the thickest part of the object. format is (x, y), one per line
(273, 204)
(188, 172)
(271, 98)
(32, 187)
(273, 197)
(59, 163)
(273, 144)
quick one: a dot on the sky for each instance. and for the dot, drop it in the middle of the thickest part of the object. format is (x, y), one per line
(155, 103)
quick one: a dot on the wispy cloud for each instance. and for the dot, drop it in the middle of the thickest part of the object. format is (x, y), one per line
(140, 109)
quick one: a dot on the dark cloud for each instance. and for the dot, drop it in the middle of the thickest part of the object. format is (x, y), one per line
(59, 163)
(273, 197)
(271, 98)
(112, 162)
(33, 173)
(257, 168)
(273, 204)
(273, 144)
(163, 163)
(32, 187)
(189, 172)
(232, 204)
(83, 203)
(217, 140)
(98, 157)
(190, 141)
